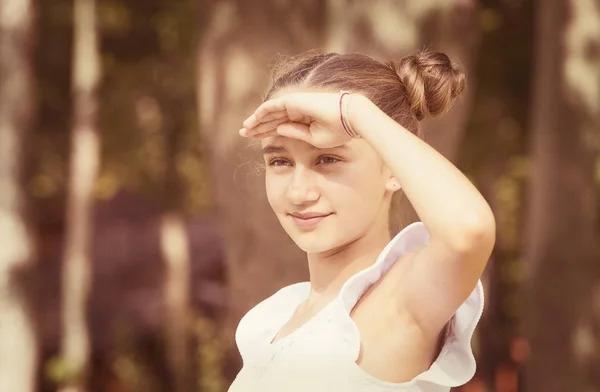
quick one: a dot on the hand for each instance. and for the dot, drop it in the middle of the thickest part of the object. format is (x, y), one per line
(311, 117)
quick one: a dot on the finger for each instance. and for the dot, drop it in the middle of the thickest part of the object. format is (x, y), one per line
(268, 126)
(295, 131)
(274, 116)
(265, 134)
(263, 127)
(269, 117)
(271, 106)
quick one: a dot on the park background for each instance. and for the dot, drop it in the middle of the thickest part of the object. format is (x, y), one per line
(134, 226)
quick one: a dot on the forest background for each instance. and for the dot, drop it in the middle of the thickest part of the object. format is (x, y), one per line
(134, 226)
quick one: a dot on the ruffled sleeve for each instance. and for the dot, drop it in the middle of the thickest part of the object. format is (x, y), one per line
(455, 365)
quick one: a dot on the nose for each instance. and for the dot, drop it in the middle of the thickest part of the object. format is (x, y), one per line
(303, 186)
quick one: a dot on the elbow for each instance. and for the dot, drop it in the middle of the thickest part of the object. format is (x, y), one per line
(475, 234)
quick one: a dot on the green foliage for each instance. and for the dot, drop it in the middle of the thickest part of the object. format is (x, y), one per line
(132, 369)
(147, 95)
(494, 155)
(60, 372)
(210, 355)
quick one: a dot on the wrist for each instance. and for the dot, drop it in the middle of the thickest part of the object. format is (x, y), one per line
(359, 108)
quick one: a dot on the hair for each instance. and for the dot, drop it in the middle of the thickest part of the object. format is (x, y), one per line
(417, 86)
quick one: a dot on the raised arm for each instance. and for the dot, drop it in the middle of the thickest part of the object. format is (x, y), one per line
(460, 222)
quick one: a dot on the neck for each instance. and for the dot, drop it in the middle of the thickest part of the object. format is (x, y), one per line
(329, 270)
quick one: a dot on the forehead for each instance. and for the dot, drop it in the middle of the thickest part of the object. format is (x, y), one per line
(286, 143)
(281, 144)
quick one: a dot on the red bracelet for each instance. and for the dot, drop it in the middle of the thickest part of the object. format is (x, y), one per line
(342, 93)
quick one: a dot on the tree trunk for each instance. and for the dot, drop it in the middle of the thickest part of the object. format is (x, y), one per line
(84, 162)
(455, 31)
(175, 248)
(18, 341)
(561, 247)
(496, 327)
(233, 65)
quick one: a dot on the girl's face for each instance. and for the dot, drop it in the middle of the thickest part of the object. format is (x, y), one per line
(326, 198)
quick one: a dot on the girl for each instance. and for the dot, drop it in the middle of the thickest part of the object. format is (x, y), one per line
(377, 314)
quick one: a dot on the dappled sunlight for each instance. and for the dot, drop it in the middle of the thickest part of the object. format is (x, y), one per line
(583, 341)
(193, 170)
(241, 76)
(508, 189)
(43, 185)
(174, 244)
(107, 185)
(398, 30)
(19, 343)
(582, 64)
(210, 354)
(149, 115)
(114, 17)
(84, 163)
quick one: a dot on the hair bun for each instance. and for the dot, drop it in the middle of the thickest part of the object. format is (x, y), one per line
(431, 81)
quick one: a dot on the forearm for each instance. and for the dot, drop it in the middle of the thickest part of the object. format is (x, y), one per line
(445, 200)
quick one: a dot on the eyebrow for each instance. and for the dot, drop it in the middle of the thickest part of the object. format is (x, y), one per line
(271, 149)
(274, 149)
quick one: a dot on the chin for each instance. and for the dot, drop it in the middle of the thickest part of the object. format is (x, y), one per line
(315, 241)
(316, 246)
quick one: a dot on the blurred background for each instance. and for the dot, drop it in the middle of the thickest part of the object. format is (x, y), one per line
(134, 228)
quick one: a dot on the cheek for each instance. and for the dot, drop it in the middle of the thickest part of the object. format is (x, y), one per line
(275, 189)
(367, 183)
(360, 201)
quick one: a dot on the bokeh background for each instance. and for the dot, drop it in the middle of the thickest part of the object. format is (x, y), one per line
(134, 229)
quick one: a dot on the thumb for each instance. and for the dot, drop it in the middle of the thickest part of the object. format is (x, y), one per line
(294, 130)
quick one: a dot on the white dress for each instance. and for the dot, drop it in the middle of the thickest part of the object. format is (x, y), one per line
(320, 355)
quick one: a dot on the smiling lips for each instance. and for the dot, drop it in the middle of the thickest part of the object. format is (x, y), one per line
(308, 219)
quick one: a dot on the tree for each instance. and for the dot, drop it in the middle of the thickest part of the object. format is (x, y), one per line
(493, 155)
(175, 249)
(562, 219)
(84, 162)
(18, 341)
(233, 60)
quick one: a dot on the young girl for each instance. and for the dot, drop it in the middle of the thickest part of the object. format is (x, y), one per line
(340, 137)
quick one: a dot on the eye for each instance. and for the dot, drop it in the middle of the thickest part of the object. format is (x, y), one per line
(279, 162)
(327, 160)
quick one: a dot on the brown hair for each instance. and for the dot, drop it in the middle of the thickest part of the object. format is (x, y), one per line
(418, 85)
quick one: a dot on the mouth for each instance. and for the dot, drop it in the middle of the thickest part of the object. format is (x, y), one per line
(307, 220)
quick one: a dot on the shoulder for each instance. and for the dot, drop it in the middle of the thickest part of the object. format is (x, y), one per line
(259, 323)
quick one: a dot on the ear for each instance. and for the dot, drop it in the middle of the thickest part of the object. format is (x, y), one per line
(392, 184)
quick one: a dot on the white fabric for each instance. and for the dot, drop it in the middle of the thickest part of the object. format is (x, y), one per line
(320, 356)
